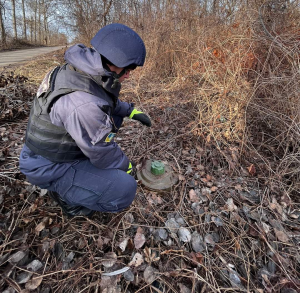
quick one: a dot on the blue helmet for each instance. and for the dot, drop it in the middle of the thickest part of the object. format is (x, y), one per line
(120, 45)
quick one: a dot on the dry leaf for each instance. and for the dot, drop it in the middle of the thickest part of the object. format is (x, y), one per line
(150, 256)
(200, 167)
(27, 220)
(276, 206)
(237, 245)
(123, 244)
(181, 177)
(139, 238)
(150, 275)
(230, 205)
(40, 227)
(265, 277)
(184, 234)
(108, 284)
(209, 239)
(82, 243)
(137, 260)
(193, 196)
(100, 242)
(252, 170)
(197, 257)
(16, 257)
(32, 208)
(155, 199)
(35, 265)
(34, 283)
(109, 259)
(281, 235)
(266, 227)
(214, 188)
(184, 289)
(197, 242)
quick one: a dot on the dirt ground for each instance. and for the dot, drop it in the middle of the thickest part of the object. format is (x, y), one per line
(221, 228)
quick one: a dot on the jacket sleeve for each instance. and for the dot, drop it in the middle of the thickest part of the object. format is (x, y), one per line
(89, 126)
(123, 109)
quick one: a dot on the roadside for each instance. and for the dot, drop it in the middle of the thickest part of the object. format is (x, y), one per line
(8, 58)
(13, 45)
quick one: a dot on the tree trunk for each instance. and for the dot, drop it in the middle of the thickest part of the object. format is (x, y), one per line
(45, 23)
(31, 29)
(3, 32)
(24, 20)
(40, 26)
(14, 18)
(35, 21)
(106, 11)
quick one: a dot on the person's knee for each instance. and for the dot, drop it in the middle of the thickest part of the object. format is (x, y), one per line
(129, 190)
(121, 194)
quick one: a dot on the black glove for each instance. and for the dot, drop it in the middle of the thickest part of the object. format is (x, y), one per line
(131, 169)
(140, 116)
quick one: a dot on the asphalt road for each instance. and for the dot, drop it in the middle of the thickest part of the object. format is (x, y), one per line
(18, 56)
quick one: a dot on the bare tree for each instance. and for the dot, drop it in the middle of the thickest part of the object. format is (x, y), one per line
(13, 3)
(106, 8)
(40, 25)
(35, 21)
(87, 16)
(24, 20)
(3, 31)
(31, 29)
(45, 16)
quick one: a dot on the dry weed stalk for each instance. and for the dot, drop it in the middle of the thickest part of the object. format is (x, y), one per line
(243, 75)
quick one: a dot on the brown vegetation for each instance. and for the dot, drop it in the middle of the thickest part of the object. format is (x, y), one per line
(221, 84)
(242, 71)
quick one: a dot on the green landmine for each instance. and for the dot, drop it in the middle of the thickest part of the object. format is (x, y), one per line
(157, 176)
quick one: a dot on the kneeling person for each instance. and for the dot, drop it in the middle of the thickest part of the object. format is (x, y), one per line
(69, 147)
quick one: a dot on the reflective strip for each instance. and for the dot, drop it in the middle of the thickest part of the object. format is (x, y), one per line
(129, 168)
(134, 111)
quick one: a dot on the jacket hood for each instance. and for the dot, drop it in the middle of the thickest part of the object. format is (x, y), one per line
(86, 59)
(89, 61)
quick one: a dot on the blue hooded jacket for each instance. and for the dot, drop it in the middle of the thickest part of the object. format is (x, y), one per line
(81, 115)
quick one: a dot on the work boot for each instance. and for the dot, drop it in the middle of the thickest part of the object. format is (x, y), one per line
(70, 211)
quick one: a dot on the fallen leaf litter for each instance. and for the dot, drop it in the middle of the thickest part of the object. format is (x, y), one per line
(214, 229)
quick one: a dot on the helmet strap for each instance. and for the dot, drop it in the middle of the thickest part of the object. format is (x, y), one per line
(117, 77)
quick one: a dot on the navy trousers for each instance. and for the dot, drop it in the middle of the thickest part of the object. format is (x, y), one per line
(109, 190)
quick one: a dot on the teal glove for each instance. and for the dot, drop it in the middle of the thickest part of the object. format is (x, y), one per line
(140, 116)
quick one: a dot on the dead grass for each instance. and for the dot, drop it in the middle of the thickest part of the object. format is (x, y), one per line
(37, 68)
(243, 76)
(247, 232)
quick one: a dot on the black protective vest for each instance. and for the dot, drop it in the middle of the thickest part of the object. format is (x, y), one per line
(47, 139)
